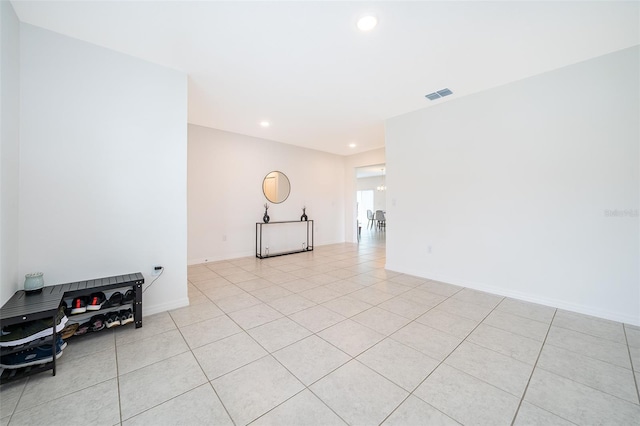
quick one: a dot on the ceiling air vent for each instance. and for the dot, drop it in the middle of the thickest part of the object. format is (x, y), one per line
(439, 94)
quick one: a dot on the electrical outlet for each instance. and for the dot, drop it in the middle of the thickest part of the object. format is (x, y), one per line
(156, 270)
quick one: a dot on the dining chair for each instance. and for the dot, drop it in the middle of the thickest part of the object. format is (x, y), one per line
(381, 221)
(370, 218)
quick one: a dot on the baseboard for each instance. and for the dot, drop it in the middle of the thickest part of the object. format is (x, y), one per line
(527, 297)
(163, 307)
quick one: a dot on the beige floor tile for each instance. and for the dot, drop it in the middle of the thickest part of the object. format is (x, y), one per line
(371, 295)
(465, 309)
(415, 411)
(528, 310)
(253, 390)
(530, 415)
(71, 376)
(591, 346)
(359, 395)
(102, 399)
(507, 343)
(467, 399)
(429, 341)
(310, 359)
(320, 294)
(303, 409)
(299, 285)
(90, 344)
(254, 284)
(199, 406)
(593, 326)
(135, 355)
(237, 302)
(218, 293)
(204, 332)
(478, 297)
(255, 316)
(269, 294)
(351, 337)
(499, 370)
(381, 320)
(316, 318)
(347, 306)
(291, 304)
(633, 336)
(424, 298)
(10, 395)
(156, 383)
(409, 280)
(439, 288)
(278, 334)
(600, 375)
(192, 314)
(578, 403)
(449, 323)
(399, 363)
(228, 354)
(516, 324)
(151, 326)
(404, 307)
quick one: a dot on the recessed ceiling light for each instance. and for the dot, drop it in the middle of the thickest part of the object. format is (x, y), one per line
(265, 123)
(367, 23)
(352, 145)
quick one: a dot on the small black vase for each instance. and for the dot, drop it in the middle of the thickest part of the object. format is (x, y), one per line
(303, 217)
(265, 218)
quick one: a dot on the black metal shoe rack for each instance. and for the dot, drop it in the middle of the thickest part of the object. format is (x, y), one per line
(23, 307)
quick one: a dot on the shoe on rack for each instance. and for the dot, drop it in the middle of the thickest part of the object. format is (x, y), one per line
(114, 300)
(18, 334)
(83, 329)
(126, 316)
(96, 300)
(97, 322)
(69, 330)
(79, 305)
(113, 319)
(129, 297)
(33, 356)
(64, 305)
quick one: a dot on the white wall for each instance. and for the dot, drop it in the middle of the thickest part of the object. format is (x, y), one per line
(368, 158)
(515, 183)
(103, 166)
(226, 199)
(9, 149)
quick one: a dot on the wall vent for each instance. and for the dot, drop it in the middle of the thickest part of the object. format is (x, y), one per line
(439, 94)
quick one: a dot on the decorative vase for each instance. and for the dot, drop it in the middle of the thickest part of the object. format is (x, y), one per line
(34, 282)
(304, 215)
(265, 218)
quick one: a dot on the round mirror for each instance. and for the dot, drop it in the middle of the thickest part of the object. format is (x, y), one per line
(276, 187)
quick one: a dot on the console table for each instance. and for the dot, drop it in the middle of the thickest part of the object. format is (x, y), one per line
(302, 229)
(23, 307)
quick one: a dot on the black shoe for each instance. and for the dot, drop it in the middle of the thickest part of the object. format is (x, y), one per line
(128, 298)
(114, 300)
(126, 316)
(96, 300)
(79, 305)
(113, 319)
(97, 322)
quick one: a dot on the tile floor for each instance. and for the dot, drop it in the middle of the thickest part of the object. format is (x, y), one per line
(332, 338)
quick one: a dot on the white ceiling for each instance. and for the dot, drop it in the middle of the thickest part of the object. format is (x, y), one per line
(320, 82)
